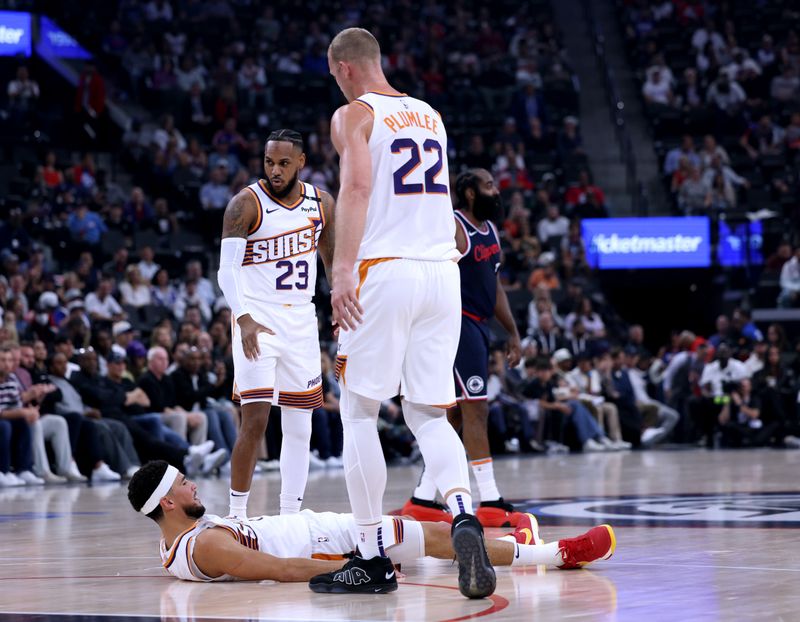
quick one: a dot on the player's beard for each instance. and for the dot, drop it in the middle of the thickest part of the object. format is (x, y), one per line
(195, 511)
(286, 189)
(487, 207)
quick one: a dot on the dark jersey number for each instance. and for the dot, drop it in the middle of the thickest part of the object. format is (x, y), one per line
(414, 160)
(302, 275)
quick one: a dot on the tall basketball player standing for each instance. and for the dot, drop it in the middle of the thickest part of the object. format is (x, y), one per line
(396, 297)
(268, 265)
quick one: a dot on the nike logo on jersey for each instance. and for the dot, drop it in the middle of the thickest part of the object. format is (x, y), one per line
(269, 211)
(471, 233)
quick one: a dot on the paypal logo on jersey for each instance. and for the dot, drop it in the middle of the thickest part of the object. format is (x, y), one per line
(15, 33)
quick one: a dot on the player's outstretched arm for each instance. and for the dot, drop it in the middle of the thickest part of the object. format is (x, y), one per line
(327, 240)
(216, 553)
(351, 127)
(240, 215)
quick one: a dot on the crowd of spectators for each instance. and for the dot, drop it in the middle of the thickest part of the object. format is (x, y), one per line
(113, 328)
(721, 87)
(735, 388)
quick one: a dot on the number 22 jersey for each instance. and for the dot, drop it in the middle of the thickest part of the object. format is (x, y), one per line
(280, 261)
(410, 213)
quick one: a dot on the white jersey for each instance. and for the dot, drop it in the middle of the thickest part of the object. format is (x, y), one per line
(410, 214)
(280, 261)
(281, 536)
(307, 534)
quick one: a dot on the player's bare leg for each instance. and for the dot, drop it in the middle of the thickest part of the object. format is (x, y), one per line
(243, 458)
(525, 548)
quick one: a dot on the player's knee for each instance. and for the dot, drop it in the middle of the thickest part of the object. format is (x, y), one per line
(296, 424)
(254, 418)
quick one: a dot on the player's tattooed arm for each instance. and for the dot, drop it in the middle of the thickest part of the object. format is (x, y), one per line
(240, 215)
(326, 240)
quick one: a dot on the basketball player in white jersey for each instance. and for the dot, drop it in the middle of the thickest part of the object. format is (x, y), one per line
(396, 298)
(200, 547)
(271, 233)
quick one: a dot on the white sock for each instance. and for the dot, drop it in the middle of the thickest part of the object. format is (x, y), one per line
(290, 504)
(537, 554)
(364, 467)
(426, 488)
(445, 458)
(295, 449)
(459, 503)
(238, 503)
(483, 470)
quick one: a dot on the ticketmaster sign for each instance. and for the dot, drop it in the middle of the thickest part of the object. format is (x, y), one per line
(623, 243)
(15, 33)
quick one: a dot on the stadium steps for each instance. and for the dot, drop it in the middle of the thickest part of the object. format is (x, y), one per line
(599, 135)
(598, 131)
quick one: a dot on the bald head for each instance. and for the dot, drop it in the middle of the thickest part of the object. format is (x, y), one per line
(355, 45)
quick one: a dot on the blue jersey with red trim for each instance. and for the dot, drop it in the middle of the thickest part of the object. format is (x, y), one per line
(479, 266)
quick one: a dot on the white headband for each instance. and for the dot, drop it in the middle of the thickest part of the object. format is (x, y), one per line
(162, 489)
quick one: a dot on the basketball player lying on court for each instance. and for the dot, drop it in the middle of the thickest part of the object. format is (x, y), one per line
(295, 547)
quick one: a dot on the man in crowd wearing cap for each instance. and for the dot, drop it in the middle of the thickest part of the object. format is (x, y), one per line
(482, 297)
(189, 425)
(112, 435)
(114, 401)
(123, 334)
(196, 546)
(101, 305)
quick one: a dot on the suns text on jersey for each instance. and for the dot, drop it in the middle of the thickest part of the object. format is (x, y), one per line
(282, 246)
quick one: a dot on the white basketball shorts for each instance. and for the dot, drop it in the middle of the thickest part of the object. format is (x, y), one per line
(287, 372)
(335, 534)
(408, 340)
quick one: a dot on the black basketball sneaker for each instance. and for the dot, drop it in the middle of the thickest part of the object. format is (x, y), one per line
(476, 577)
(358, 576)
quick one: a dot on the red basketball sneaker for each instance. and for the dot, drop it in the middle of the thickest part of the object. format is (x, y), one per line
(597, 543)
(424, 510)
(497, 514)
(527, 531)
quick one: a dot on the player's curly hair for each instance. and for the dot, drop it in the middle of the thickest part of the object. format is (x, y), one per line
(288, 136)
(466, 180)
(142, 485)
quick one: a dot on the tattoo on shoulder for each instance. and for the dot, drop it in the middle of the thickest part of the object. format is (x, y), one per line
(238, 216)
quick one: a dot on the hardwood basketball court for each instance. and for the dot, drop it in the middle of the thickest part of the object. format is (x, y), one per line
(700, 536)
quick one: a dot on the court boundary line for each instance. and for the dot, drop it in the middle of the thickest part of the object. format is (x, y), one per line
(498, 602)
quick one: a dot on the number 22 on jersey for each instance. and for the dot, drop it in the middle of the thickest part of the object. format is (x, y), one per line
(415, 157)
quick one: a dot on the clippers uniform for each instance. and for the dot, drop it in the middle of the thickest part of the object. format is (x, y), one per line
(315, 535)
(478, 268)
(278, 278)
(406, 272)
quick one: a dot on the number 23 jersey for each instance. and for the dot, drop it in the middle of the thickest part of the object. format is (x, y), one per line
(280, 261)
(410, 213)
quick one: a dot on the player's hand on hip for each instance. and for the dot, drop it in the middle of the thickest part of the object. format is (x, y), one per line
(347, 310)
(250, 332)
(513, 351)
